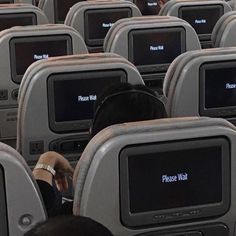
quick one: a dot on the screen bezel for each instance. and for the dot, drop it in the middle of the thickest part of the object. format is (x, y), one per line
(21, 15)
(99, 42)
(154, 67)
(14, 76)
(169, 216)
(75, 125)
(225, 112)
(216, 6)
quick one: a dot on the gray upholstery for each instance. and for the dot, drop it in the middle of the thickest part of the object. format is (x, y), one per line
(24, 203)
(118, 35)
(232, 4)
(76, 15)
(172, 8)
(181, 84)
(163, 11)
(8, 107)
(35, 86)
(97, 181)
(223, 34)
(218, 29)
(117, 41)
(50, 8)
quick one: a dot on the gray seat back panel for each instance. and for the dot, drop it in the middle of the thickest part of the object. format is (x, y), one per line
(76, 15)
(182, 80)
(116, 41)
(30, 106)
(172, 9)
(8, 107)
(217, 31)
(21, 202)
(96, 176)
(226, 35)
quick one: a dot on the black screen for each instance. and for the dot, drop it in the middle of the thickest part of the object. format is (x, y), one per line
(3, 205)
(99, 21)
(202, 18)
(62, 7)
(10, 20)
(25, 51)
(220, 87)
(151, 48)
(72, 97)
(173, 179)
(148, 7)
(6, 1)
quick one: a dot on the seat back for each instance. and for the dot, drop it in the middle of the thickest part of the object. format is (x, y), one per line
(223, 34)
(93, 19)
(19, 47)
(202, 83)
(21, 204)
(201, 15)
(148, 7)
(136, 40)
(65, 120)
(20, 15)
(156, 178)
(56, 10)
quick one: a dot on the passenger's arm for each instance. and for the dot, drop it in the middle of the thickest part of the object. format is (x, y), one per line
(59, 164)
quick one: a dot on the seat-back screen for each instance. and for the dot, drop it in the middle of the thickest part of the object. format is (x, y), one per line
(25, 51)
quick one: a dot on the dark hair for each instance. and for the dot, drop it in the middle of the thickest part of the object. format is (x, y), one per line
(124, 102)
(69, 225)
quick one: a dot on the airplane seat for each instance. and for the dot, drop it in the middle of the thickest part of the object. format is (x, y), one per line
(148, 7)
(151, 43)
(163, 11)
(67, 87)
(56, 10)
(202, 83)
(21, 46)
(152, 178)
(20, 15)
(201, 15)
(93, 19)
(223, 34)
(21, 208)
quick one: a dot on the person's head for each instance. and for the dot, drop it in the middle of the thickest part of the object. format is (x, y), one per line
(124, 102)
(69, 225)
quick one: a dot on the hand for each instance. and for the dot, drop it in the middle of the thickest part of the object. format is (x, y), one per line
(63, 172)
(61, 166)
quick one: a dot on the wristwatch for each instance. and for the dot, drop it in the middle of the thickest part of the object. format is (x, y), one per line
(45, 167)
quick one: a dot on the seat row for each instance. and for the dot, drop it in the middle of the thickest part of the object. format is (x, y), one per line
(161, 177)
(131, 38)
(92, 19)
